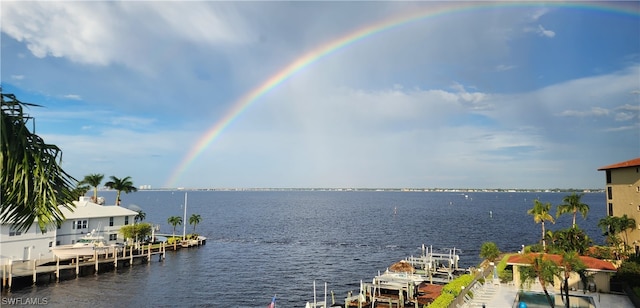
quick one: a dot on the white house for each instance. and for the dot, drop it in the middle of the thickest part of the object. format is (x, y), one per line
(85, 217)
(88, 216)
(32, 244)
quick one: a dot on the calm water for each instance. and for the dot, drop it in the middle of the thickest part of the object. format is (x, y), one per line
(266, 243)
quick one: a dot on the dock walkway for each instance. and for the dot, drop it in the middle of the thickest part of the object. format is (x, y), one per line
(36, 271)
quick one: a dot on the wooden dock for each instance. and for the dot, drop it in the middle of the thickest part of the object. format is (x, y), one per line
(38, 271)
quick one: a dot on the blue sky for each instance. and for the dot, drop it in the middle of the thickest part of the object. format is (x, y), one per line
(535, 96)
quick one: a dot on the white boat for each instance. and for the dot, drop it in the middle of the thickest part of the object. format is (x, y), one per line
(86, 246)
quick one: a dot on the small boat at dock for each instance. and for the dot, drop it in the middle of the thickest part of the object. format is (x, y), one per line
(88, 245)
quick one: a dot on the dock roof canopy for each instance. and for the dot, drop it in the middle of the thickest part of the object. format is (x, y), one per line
(629, 163)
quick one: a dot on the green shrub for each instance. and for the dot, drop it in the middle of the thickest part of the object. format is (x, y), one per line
(533, 248)
(629, 271)
(455, 286)
(443, 301)
(600, 252)
(506, 276)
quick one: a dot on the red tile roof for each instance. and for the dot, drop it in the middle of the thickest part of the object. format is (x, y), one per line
(629, 163)
(590, 262)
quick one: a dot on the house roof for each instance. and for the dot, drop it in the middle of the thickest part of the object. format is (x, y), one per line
(629, 163)
(589, 262)
(88, 209)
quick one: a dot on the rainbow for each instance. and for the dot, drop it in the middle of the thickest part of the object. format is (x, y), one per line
(329, 47)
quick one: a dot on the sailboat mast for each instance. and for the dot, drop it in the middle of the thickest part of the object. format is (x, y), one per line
(184, 219)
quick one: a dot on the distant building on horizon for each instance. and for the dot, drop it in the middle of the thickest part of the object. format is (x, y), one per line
(623, 194)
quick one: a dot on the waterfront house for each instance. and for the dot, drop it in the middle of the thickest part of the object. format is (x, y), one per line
(598, 271)
(85, 217)
(623, 194)
(32, 244)
(88, 216)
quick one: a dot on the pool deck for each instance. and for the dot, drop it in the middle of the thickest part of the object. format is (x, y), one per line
(503, 296)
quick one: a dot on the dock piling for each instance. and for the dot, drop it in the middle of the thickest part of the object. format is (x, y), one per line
(34, 272)
(57, 269)
(10, 273)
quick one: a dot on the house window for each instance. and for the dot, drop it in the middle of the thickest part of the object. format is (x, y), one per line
(110, 221)
(609, 192)
(80, 224)
(113, 237)
(610, 209)
(126, 220)
(14, 232)
(608, 172)
(57, 243)
(50, 244)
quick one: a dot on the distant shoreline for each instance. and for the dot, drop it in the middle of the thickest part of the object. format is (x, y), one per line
(454, 190)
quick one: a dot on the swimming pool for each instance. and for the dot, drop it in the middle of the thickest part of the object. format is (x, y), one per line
(539, 300)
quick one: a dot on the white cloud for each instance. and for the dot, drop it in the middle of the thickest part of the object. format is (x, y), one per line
(537, 14)
(102, 33)
(544, 32)
(504, 67)
(17, 77)
(73, 97)
(594, 111)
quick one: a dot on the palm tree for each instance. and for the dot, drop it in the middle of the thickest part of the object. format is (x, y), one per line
(194, 220)
(94, 180)
(542, 269)
(570, 263)
(124, 184)
(609, 226)
(572, 204)
(32, 183)
(540, 213)
(140, 217)
(625, 224)
(174, 221)
(614, 225)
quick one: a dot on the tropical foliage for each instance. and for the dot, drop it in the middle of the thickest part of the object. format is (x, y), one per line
(612, 226)
(570, 263)
(94, 181)
(32, 181)
(573, 205)
(140, 216)
(542, 269)
(571, 239)
(194, 220)
(540, 213)
(137, 232)
(174, 221)
(125, 184)
(629, 271)
(489, 251)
